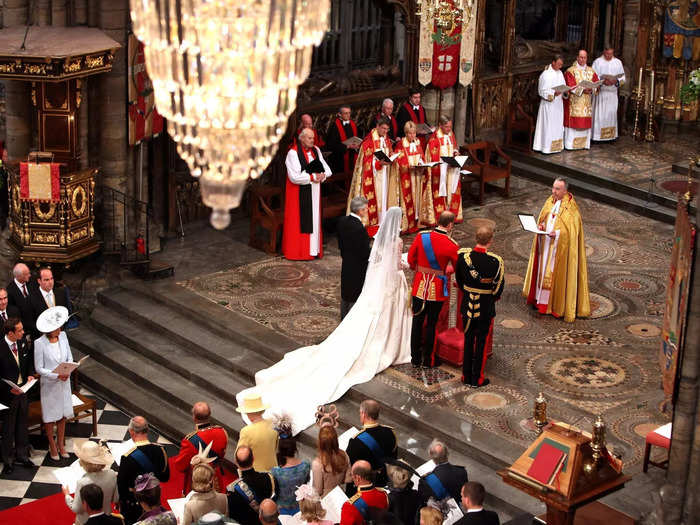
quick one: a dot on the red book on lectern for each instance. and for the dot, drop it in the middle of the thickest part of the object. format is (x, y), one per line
(546, 464)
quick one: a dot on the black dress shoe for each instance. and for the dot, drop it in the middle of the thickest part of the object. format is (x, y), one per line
(484, 383)
(26, 462)
(7, 470)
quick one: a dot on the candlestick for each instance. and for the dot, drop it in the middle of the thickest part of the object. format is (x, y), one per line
(639, 84)
(651, 90)
(598, 439)
(540, 412)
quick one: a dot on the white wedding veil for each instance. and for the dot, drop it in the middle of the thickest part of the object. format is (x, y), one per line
(385, 257)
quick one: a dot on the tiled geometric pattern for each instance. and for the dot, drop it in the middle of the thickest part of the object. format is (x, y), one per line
(592, 366)
(28, 484)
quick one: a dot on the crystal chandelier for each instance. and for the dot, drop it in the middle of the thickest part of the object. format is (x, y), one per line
(225, 75)
(446, 14)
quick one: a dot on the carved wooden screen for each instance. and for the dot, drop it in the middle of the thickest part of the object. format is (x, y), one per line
(355, 39)
(576, 15)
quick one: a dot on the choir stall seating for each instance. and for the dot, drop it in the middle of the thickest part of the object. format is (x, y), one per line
(488, 163)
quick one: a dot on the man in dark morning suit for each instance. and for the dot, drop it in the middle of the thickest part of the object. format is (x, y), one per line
(18, 290)
(353, 242)
(92, 497)
(17, 365)
(143, 458)
(7, 310)
(481, 276)
(46, 295)
(374, 443)
(446, 480)
(473, 495)
(431, 255)
(247, 492)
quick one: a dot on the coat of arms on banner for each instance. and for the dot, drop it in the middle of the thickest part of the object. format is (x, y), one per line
(144, 119)
(447, 36)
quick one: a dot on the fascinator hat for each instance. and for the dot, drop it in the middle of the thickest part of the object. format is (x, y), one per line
(308, 493)
(51, 319)
(327, 415)
(145, 482)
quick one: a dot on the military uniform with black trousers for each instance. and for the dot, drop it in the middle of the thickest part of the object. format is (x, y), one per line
(446, 480)
(143, 458)
(480, 275)
(377, 444)
(246, 493)
(369, 502)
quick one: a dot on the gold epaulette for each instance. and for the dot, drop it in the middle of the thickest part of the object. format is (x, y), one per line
(464, 250)
(188, 436)
(354, 498)
(495, 256)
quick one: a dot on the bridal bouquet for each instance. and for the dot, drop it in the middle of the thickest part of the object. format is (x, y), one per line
(691, 90)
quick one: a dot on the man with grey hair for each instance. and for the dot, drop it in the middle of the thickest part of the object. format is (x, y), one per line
(353, 242)
(387, 112)
(144, 457)
(446, 480)
(302, 237)
(18, 292)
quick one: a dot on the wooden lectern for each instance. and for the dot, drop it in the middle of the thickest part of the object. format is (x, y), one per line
(577, 480)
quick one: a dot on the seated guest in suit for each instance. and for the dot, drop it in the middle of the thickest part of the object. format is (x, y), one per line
(259, 434)
(50, 350)
(246, 494)
(353, 242)
(92, 506)
(446, 480)
(205, 498)
(147, 494)
(403, 498)
(93, 458)
(473, 494)
(46, 295)
(16, 364)
(18, 295)
(374, 443)
(7, 310)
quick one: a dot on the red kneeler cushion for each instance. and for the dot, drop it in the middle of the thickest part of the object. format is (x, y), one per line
(450, 341)
(658, 440)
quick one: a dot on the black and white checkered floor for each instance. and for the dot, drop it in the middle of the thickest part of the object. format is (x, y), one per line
(28, 484)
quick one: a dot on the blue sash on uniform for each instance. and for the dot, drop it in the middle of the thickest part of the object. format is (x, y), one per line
(436, 485)
(143, 461)
(361, 506)
(199, 442)
(248, 494)
(372, 445)
(432, 261)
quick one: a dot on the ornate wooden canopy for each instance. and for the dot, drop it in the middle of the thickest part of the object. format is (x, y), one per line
(54, 53)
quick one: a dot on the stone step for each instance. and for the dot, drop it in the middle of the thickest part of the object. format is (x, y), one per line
(623, 199)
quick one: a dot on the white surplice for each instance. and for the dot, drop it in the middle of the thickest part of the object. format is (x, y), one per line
(546, 260)
(381, 179)
(298, 176)
(449, 177)
(549, 131)
(605, 102)
(375, 334)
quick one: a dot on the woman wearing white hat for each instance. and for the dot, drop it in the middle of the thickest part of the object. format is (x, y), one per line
(50, 350)
(95, 460)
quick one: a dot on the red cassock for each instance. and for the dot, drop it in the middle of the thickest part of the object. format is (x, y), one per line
(571, 120)
(373, 497)
(188, 449)
(426, 285)
(295, 244)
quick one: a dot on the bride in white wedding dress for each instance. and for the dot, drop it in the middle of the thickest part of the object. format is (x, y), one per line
(375, 334)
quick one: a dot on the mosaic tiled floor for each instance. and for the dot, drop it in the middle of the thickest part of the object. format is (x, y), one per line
(636, 163)
(606, 364)
(28, 484)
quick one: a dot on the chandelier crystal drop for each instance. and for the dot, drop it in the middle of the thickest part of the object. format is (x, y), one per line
(225, 75)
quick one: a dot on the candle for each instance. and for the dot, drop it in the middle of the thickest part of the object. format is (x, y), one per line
(639, 84)
(651, 89)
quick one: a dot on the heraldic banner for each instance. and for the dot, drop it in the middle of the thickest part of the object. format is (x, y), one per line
(144, 120)
(682, 29)
(446, 54)
(676, 307)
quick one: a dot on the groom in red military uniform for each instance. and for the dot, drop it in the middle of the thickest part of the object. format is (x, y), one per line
(429, 255)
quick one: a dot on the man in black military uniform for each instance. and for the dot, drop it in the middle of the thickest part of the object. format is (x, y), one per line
(446, 480)
(249, 490)
(144, 457)
(374, 443)
(480, 275)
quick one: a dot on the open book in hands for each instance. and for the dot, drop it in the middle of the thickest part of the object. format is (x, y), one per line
(614, 78)
(25, 387)
(64, 369)
(424, 129)
(563, 88)
(455, 162)
(587, 84)
(352, 142)
(383, 157)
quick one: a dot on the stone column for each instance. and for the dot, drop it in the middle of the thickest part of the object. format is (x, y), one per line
(59, 13)
(18, 111)
(679, 493)
(460, 112)
(629, 39)
(83, 125)
(80, 12)
(43, 13)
